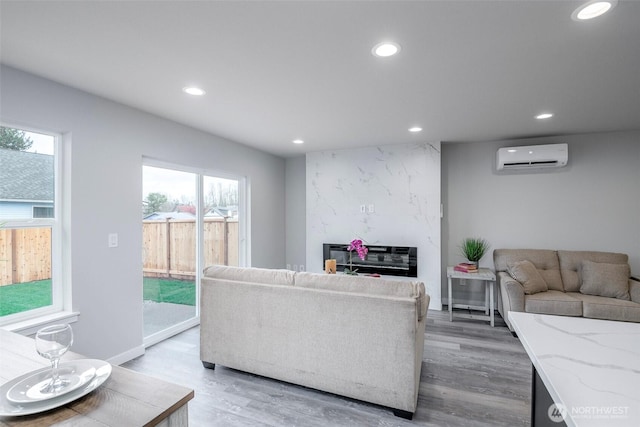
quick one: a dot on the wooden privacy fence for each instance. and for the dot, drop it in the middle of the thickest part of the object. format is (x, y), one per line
(169, 246)
(169, 249)
(25, 255)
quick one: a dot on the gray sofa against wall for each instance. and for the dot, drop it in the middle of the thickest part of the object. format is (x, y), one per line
(568, 283)
(356, 336)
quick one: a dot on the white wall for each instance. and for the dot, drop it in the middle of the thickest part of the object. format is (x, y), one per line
(403, 184)
(591, 204)
(108, 141)
(295, 196)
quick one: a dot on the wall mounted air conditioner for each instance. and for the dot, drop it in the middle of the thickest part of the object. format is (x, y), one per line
(532, 157)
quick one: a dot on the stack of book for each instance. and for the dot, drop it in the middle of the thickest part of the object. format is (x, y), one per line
(466, 267)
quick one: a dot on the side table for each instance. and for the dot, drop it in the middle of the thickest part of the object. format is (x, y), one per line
(488, 278)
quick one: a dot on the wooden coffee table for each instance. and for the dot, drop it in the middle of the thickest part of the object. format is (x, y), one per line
(126, 398)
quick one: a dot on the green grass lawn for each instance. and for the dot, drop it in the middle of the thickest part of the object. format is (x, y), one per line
(24, 296)
(31, 295)
(167, 290)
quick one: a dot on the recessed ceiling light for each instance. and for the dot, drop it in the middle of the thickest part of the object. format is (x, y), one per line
(192, 90)
(544, 116)
(298, 141)
(593, 9)
(415, 129)
(385, 49)
(512, 150)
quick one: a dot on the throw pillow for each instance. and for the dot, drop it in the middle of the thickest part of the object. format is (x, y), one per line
(527, 274)
(605, 280)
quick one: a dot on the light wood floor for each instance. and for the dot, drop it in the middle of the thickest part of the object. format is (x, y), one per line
(472, 375)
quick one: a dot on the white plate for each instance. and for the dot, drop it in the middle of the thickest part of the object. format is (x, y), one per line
(28, 390)
(11, 409)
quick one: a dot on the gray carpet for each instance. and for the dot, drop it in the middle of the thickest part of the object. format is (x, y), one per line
(161, 315)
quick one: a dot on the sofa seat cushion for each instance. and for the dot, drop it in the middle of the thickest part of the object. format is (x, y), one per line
(597, 307)
(605, 280)
(365, 285)
(527, 274)
(553, 302)
(570, 263)
(256, 275)
(546, 262)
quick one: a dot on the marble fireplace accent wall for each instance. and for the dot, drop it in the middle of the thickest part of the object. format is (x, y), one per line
(399, 186)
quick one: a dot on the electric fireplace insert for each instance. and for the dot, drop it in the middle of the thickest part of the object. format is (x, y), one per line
(383, 260)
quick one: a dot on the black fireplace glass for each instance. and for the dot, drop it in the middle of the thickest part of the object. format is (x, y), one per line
(383, 260)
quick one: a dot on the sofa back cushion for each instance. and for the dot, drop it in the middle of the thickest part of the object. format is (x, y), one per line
(366, 285)
(545, 261)
(266, 276)
(570, 262)
(605, 280)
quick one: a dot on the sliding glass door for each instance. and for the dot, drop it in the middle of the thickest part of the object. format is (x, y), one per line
(189, 220)
(221, 235)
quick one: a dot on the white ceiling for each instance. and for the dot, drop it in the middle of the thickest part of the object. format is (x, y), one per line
(275, 71)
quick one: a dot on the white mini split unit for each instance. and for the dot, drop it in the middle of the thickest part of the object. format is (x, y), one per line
(532, 157)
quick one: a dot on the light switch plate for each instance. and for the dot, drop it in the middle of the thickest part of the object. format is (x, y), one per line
(113, 240)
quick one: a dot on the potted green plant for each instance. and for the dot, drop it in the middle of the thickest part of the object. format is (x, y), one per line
(474, 248)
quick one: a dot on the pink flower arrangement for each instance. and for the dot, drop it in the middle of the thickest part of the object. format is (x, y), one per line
(362, 250)
(356, 245)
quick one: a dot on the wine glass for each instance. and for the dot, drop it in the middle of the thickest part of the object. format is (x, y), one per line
(51, 343)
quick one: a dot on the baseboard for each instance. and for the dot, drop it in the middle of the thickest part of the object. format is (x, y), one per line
(435, 304)
(127, 355)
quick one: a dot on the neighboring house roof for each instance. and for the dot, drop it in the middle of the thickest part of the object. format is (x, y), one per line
(219, 211)
(170, 215)
(25, 176)
(186, 208)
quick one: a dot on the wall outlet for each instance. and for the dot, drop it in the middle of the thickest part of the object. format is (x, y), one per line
(301, 267)
(371, 208)
(113, 240)
(363, 208)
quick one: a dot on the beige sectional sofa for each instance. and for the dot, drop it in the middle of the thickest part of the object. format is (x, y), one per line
(355, 336)
(569, 283)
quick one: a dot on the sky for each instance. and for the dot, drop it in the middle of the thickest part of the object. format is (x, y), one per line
(42, 144)
(178, 185)
(173, 184)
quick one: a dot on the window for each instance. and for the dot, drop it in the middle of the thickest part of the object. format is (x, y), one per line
(42, 212)
(30, 243)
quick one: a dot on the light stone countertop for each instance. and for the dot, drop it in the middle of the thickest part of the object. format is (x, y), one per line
(590, 366)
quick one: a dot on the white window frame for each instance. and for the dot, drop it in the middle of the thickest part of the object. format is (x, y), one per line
(60, 308)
